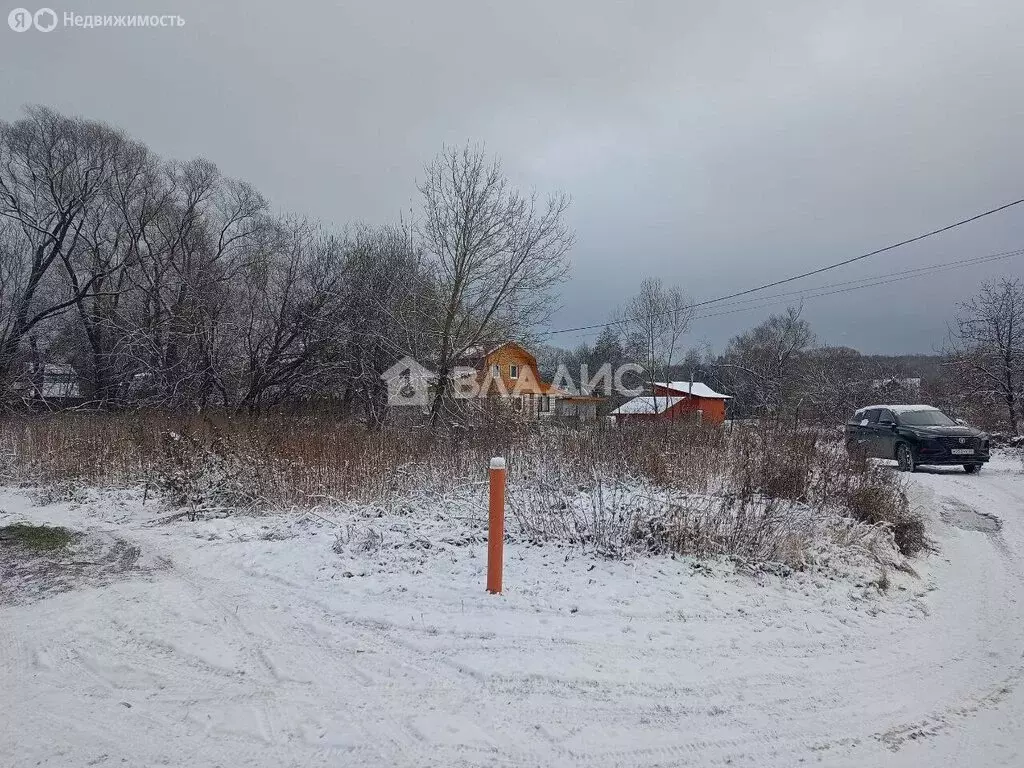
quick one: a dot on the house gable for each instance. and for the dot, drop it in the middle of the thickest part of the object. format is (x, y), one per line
(510, 358)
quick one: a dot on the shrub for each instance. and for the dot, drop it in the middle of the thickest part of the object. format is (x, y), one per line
(191, 474)
(762, 491)
(879, 499)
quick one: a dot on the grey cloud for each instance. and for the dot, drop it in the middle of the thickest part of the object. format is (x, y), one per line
(716, 145)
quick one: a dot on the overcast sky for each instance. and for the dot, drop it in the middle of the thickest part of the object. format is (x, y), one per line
(716, 145)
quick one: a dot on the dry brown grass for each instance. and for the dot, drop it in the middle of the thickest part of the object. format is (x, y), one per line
(748, 478)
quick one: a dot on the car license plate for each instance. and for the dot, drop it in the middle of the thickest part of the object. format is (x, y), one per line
(961, 451)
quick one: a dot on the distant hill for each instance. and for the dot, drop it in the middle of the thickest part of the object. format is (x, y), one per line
(923, 366)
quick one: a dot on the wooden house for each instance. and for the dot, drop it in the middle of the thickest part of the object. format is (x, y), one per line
(673, 400)
(510, 371)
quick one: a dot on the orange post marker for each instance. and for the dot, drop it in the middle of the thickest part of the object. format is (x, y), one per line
(496, 526)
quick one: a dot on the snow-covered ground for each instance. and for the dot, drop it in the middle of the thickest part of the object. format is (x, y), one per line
(250, 641)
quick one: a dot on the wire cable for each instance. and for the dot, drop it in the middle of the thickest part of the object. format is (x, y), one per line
(819, 270)
(846, 286)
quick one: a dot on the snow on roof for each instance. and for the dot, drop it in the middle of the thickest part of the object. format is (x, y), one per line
(646, 404)
(700, 389)
(900, 408)
(58, 389)
(58, 369)
(911, 382)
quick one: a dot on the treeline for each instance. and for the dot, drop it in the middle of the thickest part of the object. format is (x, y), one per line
(166, 283)
(779, 370)
(776, 370)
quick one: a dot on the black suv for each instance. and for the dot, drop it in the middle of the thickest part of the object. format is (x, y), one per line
(916, 434)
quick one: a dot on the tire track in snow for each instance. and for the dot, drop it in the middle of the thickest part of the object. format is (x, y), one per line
(944, 720)
(329, 681)
(398, 635)
(757, 747)
(384, 648)
(961, 500)
(960, 514)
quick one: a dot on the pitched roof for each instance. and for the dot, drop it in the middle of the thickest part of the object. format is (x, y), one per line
(699, 389)
(646, 404)
(911, 382)
(515, 344)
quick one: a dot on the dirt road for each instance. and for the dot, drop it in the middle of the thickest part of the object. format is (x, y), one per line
(259, 646)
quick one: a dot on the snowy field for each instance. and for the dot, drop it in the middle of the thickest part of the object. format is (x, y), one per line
(251, 641)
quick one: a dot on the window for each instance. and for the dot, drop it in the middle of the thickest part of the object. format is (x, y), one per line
(886, 417)
(872, 415)
(927, 419)
(545, 404)
(495, 371)
(517, 403)
(513, 371)
(405, 385)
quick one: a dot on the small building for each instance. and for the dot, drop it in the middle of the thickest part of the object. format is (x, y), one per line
(510, 371)
(673, 400)
(506, 375)
(55, 384)
(578, 407)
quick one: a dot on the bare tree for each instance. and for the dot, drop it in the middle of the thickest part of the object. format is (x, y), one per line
(387, 294)
(766, 365)
(280, 323)
(496, 253)
(986, 345)
(99, 271)
(166, 283)
(206, 232)
(52, 171)
(652, 324)
(834, 382)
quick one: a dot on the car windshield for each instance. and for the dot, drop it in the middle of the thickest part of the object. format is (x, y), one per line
(926, 419)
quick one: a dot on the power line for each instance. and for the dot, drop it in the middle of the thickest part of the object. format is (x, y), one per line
(850, 286)
(910, 273)
(844, 290)
(819, 270)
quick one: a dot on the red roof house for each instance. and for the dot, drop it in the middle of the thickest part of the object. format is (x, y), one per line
(675, 400)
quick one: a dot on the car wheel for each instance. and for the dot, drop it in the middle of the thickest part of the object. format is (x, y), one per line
(905, 458)
(972, 469)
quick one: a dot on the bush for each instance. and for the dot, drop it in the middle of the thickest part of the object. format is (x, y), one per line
(201, 477)
(763, 491)
(880, 499)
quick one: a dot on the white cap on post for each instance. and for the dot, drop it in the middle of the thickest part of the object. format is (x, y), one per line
(498, 462)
